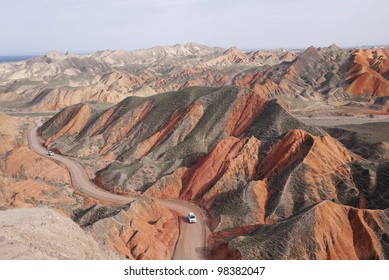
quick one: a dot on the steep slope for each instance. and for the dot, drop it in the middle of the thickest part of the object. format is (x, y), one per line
(150, 136)
(9, 132)
(234, 56)
(77, 117)
(313, 71)
(324, 79)
(271, 57)
(325, 231)
(143, 91)
(298, 171)
(369, 72)
(30, 180)
(142, 230)
(110, 88)
(230, 56)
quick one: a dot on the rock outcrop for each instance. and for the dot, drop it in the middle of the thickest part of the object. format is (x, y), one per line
(144, 229)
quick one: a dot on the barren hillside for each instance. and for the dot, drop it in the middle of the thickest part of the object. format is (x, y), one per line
(251, 165)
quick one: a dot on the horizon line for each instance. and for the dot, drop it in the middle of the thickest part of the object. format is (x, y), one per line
(42, 53)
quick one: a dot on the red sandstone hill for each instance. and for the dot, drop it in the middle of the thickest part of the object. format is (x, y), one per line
(144, 229)
(325, 77)
(258, 172)
(369, 72)
(314, 70)
(163, 132)
(326, 231)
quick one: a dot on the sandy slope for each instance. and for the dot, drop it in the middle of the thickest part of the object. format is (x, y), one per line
(41, 233)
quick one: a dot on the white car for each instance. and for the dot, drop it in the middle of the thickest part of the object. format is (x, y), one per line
(50, 153)
(191, 218)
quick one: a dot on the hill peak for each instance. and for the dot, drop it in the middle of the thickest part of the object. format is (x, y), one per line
(232, 50)
(334, 47)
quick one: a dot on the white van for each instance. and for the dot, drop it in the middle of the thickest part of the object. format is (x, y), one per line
(191, 218)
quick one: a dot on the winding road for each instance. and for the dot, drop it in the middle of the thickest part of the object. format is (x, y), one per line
(192, 241)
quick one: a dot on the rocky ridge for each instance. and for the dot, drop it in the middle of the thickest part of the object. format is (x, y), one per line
(243, 158)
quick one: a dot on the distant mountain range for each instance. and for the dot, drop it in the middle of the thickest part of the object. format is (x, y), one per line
(306, 80)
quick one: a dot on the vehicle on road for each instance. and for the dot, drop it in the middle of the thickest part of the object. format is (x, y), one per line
(50, 153)
(191, 218)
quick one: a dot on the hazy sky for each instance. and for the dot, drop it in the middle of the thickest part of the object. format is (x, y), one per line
(37, 26)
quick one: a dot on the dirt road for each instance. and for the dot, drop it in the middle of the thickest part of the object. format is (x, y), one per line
(333, 121)
(191, 243)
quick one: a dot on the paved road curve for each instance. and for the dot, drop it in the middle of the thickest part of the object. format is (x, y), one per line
(191, 243)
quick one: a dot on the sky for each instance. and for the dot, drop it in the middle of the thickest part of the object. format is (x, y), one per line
(84, 26)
